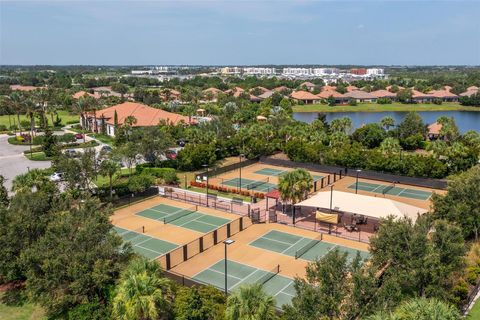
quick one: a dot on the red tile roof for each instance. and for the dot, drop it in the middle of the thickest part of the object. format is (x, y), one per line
(24, 88)
(359, 94)
(442, 94)
(145, 115)
(383, 94)
(470, 91)
(303, 95)
(329, 88)
(351, 88)
(280, 89)
(80, 94)
(263, 89)
(418, 94)
(434, 128)
(389, 88)
(214, 91)
(329, 93)
(307, 84)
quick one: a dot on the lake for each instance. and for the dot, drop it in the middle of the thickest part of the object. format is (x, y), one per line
(466, 120)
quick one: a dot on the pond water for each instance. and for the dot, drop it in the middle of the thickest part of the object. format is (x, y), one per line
(466, 120)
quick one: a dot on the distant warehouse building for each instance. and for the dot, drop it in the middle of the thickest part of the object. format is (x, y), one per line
(144, 116)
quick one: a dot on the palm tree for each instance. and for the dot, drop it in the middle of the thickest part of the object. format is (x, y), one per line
(294, 186)
(343, 125)
(30, 112)
(18, 106)
(142, 293)
(420, 309)
(387, 122)
(390, 145)
(109, 168)
(34, 178)
(250, 302)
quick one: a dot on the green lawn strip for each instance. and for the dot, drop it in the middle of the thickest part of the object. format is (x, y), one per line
(375, 107)
(104, 181)
(38, 156)
(475, 312)
(103, 138)
(26, 311)
(62, 114)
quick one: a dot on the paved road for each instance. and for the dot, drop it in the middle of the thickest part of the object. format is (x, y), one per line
(13, 162)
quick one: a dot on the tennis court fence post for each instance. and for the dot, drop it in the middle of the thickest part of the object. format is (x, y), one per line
(168, 261)
(200, 242)
(334, 177)
(185, 253)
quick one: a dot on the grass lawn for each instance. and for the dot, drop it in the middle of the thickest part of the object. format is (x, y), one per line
(475, 312)
(375, 107)
(103, 138)
(37, 156)
(64, 115)
(24, 312)
(219, 193)
(103, 181)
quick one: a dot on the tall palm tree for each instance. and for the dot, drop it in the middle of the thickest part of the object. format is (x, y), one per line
(294, 186)
(142, 293)
(18, 106)
(250, 303)
(33, 178)
(387, 122)
(31, 111)
(109, 168)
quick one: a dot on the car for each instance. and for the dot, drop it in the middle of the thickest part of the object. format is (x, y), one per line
(79, 136)
(71, 153)
(171, 154)
(56, 176)
(106, 149)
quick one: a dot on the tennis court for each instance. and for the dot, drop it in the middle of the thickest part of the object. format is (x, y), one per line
(301, 247)
(392, 190)
(144, 245)
(188, 218)
(239, 274)
(248, 184)
(276, 172)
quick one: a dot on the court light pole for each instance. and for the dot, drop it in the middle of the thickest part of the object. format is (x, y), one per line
(226, 243)
(240, 156)
(206, 166)
(356, 183)
(331, 199)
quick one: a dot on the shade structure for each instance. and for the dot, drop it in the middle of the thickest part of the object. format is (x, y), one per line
(375, 207)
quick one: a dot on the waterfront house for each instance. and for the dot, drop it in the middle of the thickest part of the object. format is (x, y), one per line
(304, 96)
(360, 96)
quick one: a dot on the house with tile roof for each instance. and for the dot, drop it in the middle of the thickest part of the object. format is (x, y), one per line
(470, 91)
(144, 115)
(81, 94)
(443, 95)
(281, 89)
(360, 96)
(305, 96)
(384, 94)
(18, 87)
(310, 86)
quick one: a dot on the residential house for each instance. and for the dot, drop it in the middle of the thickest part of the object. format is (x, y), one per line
(434, 131)
(351, 88)
(420, 97)
(281, 89)
(144, 115)
(384, 94)
(308, 85)
(211, 94)
(339, 98)
(360, 96)
(443, 95)
(81, 94)
(305, 96)
(470, 91)
(18, 87)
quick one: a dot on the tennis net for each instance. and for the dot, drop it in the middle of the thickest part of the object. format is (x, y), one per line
(300, 252)
(255, 184)
(388, 188)
(179, 214)
(269, 275)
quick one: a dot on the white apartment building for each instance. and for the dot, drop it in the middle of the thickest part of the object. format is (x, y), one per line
(375, 72)
(316, 72)
(259, 71)
(230, 70)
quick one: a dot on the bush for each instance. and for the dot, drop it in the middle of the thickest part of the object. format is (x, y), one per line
(167, 175)
(140, 183)
(460, 291)
(352, 102)
(437, 101)
(384, 100)
(3, 127)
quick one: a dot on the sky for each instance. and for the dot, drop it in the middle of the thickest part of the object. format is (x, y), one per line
(229, 32)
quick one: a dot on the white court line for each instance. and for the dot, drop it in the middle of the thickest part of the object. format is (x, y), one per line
(243, 280)
(293, 244)
(288, 294)
(279, 241)
(223, 273)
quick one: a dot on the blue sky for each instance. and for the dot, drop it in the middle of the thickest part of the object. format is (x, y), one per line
(240, 32)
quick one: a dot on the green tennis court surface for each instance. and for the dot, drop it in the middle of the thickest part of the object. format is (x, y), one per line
(239, 274)
(277, 172)
(392, 190)
(147, 246)
(247, 184)
(184, 217)
(300, 247)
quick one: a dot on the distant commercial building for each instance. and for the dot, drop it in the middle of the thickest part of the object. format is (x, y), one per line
(358, 71)
(231, 70)
(375, 72)
(259, 71)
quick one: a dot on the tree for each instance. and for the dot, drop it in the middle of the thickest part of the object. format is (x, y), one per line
(250, 302)
(33, 179)
(420, 309)
(411, 125)
(390, 146)
(370, 135)
(199, 303)
(321, 293)
(109, 168)
(142, 293)
(49, 143)
(449, 128)
(77, 259)
(343, 125)
(4, 200)
(192, 157)
(295, 186)
(404, 96)
(421, 257)
(461, 203)
(387, 122)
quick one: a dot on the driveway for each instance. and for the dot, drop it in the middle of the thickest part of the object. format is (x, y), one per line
(13, 162)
